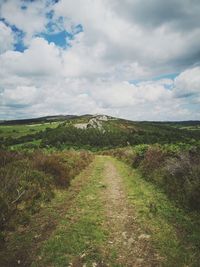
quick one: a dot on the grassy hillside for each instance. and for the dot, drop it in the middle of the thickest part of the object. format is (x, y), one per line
(111, 133)
(15, 131)
(118, 133)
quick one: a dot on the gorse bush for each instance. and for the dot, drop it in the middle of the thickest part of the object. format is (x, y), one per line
(28, 179)
(115, 137)
(22, 188)
(174, 168)
(114, 133)
(153, 159)
(53, 166)
(181, 179)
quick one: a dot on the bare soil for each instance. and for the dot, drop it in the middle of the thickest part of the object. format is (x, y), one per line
(132, 244)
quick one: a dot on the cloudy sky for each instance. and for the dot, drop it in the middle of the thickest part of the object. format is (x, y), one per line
(133, 59)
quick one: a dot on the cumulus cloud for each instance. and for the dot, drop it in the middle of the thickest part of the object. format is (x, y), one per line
(6, 38)
(109, 67)
(40, 59)
(188, 83)
(154, 13)
(28, 16)
(132, 40)
(21, 95)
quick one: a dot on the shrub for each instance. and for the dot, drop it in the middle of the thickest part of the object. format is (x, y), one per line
(181, 180)
(51, 165)
(28, 179)
(153, 160)
(174, 168)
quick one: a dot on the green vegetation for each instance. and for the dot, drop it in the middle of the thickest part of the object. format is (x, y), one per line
(174, 168)
(113, 137)
(27, 179)
(16, 131)
(79, 238)
(175, 233)
(23, 242)
(39, 159)
(21, 134)
(114, 133)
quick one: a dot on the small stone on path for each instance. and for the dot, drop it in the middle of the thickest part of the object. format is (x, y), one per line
(144, 236)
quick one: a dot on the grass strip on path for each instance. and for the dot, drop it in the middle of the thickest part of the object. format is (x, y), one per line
(79, 239)
(174, 233)
(21, 245)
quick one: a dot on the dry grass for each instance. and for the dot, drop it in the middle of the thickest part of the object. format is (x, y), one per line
(27, 179)
(173, 169)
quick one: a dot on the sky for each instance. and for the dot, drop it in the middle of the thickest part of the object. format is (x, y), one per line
(133, 59)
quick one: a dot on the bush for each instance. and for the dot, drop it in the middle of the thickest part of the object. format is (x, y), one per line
(174, 168)
(28, 179)
(51, 165)
(153, 159)
(181, 180)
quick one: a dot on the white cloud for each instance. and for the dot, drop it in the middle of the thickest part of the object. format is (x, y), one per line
(31, 20)
(21, 95)
(93, 75)
(188, 83)
(6, 38)
(127, 41)
(39, 59)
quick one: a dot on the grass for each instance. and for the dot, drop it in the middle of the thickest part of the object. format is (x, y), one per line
(22, 244)
(16, 131)
(80, 236)
(35, 143)
(175, 234)
(28, 179)
(71, 228)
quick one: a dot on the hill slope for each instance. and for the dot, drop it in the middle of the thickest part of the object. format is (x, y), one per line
(97, 131)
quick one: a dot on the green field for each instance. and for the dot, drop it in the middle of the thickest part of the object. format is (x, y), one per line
(15, 131)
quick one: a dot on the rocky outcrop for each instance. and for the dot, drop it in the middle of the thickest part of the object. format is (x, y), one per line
(94, 122)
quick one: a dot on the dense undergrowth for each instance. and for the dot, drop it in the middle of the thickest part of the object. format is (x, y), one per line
(116, 136)
(28, 180)
(174, 168)
(117, 133)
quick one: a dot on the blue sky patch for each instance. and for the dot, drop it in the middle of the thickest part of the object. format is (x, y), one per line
(19, 34)
(59, 39)
(170, 76)
(20, 47)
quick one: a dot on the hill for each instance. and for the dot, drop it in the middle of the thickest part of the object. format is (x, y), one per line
(37, 120)
(95, 131)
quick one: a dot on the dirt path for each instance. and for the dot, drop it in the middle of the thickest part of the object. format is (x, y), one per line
(132, 245)
(93, 226)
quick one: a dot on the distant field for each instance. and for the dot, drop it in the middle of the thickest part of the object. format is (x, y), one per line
(15, 131)
(193, 128)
